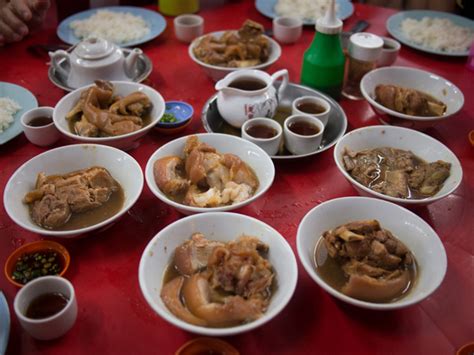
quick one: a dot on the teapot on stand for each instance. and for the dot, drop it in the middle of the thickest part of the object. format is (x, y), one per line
(94, 59)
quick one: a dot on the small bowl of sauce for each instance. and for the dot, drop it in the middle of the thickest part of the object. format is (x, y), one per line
(303, 133)
(39, 127)
(264, 132)
(36, 259)
(46, 307)
(313, 106)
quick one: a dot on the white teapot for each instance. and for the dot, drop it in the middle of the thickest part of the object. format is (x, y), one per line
(249, 93)
(94, 59)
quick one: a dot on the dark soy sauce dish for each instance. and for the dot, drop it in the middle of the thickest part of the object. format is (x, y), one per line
(40, 121)
(248, 84)
(310, 107)
(303, 128)
(261, 131)
(46, 305)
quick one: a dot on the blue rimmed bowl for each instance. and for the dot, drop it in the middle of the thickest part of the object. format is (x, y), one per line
(182, 111)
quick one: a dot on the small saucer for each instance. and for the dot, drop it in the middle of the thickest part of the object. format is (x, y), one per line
(144, 68)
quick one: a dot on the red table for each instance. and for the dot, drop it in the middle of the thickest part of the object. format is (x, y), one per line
(114, 317)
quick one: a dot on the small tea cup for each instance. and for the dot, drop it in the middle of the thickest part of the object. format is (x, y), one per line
(389, 53)
(188, 27)
(42, 136)
(301, 144)
(287, 29)
(269, 145)
(323, 116)
(53, 326)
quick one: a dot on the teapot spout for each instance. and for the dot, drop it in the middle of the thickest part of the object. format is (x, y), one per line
(131, 62)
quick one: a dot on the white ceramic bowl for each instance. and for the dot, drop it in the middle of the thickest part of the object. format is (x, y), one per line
(216, 73)
(250, 153)
(413, 231)
(65, 159)
(421, 80)
(122, 88)
(50, 327)
(420, 144)
(223, 227)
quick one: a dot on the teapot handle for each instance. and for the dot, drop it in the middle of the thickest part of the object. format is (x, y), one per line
(284, 74)
(56, 57)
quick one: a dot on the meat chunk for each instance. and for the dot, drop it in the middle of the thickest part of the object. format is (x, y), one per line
(375, 265)
(56, 197)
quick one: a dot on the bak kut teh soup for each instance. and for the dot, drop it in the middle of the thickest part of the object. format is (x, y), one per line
(248, 84)
(303, 128)
(310, 107)
(261, 131)
(40, 121)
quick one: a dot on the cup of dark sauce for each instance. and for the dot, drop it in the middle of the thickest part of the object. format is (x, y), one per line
(39, 127)
(46, 307)
(264, 132)
(303, 134)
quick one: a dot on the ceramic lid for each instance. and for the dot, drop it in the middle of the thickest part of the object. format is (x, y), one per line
(94, 48)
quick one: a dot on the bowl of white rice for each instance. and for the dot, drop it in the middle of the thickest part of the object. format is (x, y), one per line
(411, 78)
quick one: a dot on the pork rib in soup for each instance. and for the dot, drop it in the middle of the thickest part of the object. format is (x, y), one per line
(74, 200)
(365, 261)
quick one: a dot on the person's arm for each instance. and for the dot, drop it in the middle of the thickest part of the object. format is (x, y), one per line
(18, 17)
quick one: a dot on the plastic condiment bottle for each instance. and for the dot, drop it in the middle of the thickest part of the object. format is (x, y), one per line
(323, 61)
(364, 50)
(178, 7)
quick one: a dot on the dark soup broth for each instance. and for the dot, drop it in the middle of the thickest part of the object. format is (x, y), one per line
(46, 305)
(248, 84)
(310, 107)
(261, 131)
(303, 128)
(40, 121)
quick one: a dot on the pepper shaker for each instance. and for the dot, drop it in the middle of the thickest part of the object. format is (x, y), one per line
(364, 50)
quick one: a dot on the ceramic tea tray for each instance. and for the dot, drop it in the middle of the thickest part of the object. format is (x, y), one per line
(144, 68)
(335, 129)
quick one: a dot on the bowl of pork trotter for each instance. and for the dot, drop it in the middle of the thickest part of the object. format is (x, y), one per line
(410, 97)
(398, 164)
(218, 273)
(116, 113)
(72, 190)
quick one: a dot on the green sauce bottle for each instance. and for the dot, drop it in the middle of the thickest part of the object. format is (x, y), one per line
(323, 61)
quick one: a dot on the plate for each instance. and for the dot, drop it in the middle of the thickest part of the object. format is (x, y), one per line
(156, 22)
(394, 28)
(25, 99)
(266, 8)
(4, 324)
(144, 68)
(334, 130)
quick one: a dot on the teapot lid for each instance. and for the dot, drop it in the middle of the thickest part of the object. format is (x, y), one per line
(94, 48)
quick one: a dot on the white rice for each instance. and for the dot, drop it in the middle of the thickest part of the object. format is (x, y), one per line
(309, 10)
(8, 109)
(438, 34)
(118, 27)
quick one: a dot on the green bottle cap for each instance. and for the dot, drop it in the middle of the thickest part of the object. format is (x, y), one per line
(329, 24)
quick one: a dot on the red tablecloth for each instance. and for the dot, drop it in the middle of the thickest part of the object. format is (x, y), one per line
(114, 317)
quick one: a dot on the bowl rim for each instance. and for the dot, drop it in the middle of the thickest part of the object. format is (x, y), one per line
(36, 245)
(73, 232)
(112, 138)
(172, 319)
(273, 45)
(380, 107)
(310, 269)
(398, 200)
(149, 177)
